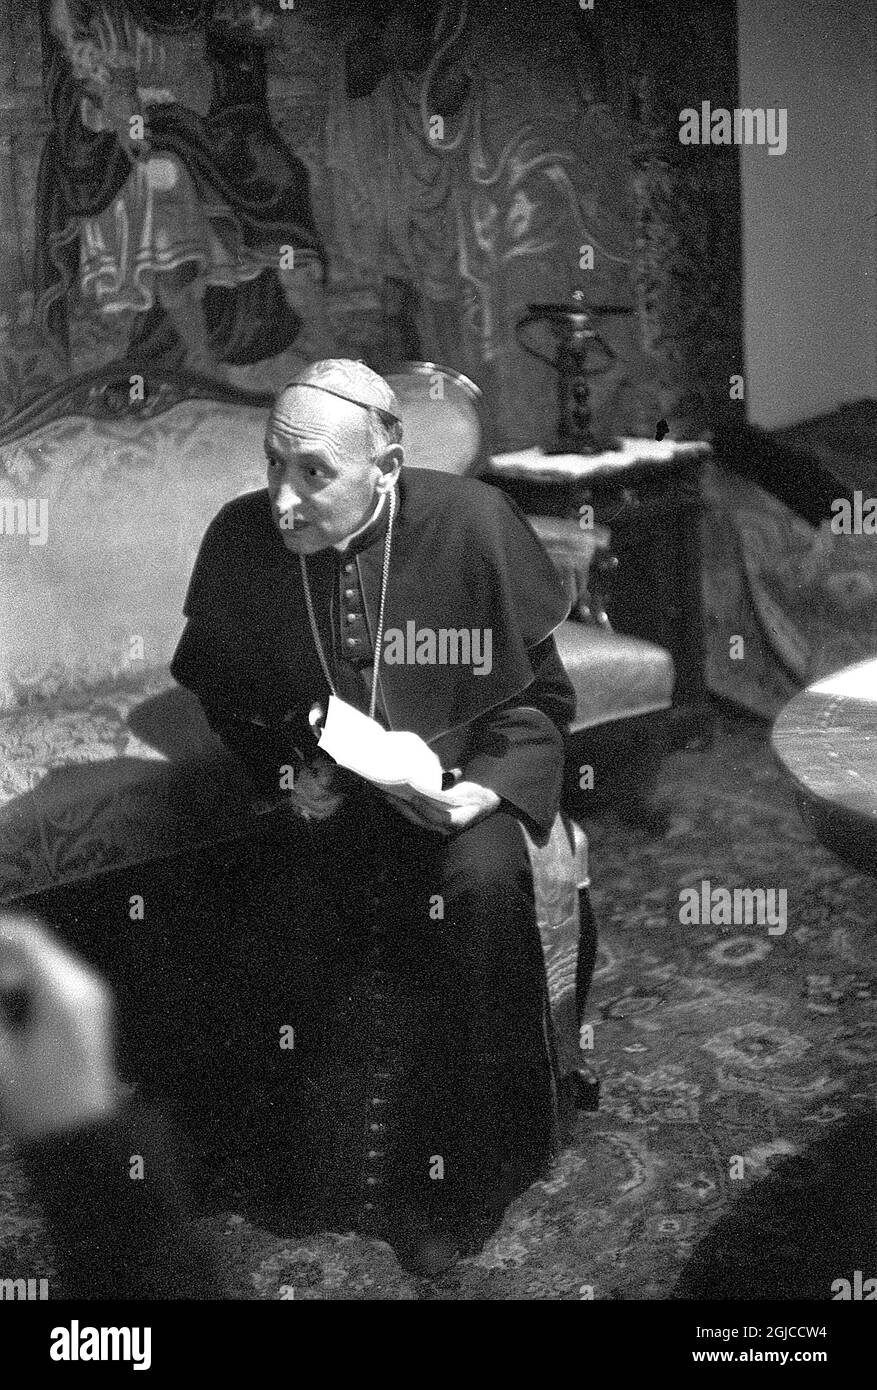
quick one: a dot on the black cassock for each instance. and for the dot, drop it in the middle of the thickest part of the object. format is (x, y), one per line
(406, 966)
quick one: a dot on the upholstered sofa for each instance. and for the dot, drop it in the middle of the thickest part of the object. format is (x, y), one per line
(106, 764)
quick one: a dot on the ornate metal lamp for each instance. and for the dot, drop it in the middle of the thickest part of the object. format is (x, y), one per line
(577, 337)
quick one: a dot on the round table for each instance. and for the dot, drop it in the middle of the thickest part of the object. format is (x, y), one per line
(826, 740)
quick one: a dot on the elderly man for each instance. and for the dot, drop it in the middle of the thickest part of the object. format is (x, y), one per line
(388, 942)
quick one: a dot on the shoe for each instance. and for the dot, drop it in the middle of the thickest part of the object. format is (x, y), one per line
(419, 1247)
(287, 1214)
(474, 1228)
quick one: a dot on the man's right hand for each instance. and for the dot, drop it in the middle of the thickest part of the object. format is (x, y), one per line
(313, 793)
(56, 1065)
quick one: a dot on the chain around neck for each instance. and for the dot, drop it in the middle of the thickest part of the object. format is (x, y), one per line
(379, 635)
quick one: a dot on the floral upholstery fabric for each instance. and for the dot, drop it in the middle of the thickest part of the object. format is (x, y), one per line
(127, 504)
(82, 791)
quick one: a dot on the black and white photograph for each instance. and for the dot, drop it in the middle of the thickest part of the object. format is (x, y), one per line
(438, 666)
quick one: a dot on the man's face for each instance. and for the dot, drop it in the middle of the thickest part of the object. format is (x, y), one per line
(322, 479)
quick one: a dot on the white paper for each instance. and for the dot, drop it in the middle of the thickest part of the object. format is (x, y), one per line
(388, 758)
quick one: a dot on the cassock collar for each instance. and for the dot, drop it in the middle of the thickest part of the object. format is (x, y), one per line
(371, 532)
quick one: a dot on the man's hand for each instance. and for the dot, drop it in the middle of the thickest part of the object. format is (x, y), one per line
(56, 1061)
(313, 793)
(461, 806)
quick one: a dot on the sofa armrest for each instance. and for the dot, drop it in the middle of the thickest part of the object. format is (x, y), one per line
(584, 561)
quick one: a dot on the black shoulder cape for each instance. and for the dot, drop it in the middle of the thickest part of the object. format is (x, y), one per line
(464, 556)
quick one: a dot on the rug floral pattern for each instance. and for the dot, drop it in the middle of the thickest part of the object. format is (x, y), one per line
(713, 1045)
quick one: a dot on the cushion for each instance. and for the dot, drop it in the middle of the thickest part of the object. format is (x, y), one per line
(572, 551)
(614, 677)
(123, 773)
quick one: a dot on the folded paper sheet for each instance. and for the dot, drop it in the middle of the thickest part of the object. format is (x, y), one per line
(397, 761)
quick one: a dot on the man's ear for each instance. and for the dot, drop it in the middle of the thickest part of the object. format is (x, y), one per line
(390, 463)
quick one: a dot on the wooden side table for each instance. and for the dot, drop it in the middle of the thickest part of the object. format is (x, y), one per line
(648, 494)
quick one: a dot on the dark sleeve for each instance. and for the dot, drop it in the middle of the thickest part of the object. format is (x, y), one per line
(262, 752)
(199, 657)
(118, 1236)
(518, 749)
(200, 664)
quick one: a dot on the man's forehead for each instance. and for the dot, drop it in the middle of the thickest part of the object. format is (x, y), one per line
(301, 415)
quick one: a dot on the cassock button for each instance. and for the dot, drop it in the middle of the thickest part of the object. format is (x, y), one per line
(372, 1181)
(352, 617)
(376, 1128)
(350, 593)
(351, 641)
(348, 569)
(376, 1153)
(368, 1206)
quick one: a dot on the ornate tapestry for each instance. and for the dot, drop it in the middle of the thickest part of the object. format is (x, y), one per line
(389, 181)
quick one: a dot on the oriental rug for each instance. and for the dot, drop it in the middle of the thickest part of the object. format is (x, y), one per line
(733, 1151)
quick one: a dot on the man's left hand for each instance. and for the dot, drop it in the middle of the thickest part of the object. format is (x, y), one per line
(459, 807)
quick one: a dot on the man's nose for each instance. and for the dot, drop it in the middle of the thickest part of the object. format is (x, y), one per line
(287, 497)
